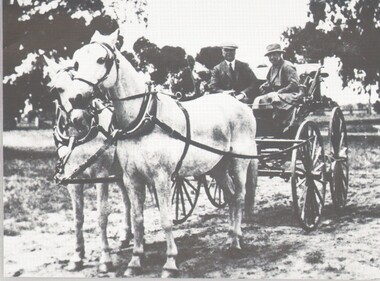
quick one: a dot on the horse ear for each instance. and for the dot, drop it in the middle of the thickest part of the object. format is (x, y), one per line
(113, 37)
(51, 68)
(96, 37)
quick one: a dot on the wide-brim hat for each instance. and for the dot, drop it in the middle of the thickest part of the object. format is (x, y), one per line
(229, 45)
(273, 48)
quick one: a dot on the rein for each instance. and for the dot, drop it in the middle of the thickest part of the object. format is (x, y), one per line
(188, 141)
(107, 143)
(147, 116)
(174, 134)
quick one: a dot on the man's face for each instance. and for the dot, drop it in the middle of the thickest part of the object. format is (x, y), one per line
(229, 54)
(274, 58)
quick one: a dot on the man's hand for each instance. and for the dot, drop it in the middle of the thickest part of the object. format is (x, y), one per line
(229, 92)
(240, 95)
(264, 88)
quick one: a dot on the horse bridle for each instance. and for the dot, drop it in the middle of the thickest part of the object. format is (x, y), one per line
(64, 122)
(110, 61)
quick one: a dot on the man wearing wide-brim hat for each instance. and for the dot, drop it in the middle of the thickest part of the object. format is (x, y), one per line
(281, 89)
(233, 76)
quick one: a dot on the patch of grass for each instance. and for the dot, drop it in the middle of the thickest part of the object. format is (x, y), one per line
(314, 257)
(11, 232)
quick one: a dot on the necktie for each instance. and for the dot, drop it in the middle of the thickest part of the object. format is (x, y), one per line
(232, 75)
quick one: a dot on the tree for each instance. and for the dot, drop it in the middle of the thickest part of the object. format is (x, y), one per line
(209, 56)
(376, 107)
(168, 66)
(347, 29)
(53, 28)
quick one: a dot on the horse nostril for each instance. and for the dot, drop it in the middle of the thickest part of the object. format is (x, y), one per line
(77, 101)
(79, 97)
(77, 122)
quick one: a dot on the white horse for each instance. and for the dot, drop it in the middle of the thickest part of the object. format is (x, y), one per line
(219, 121)
(62, 82)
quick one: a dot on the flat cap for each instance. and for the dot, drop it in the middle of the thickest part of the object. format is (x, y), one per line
(228, 45)
(274, 48)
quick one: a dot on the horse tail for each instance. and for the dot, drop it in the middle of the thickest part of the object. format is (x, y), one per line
(250, 186)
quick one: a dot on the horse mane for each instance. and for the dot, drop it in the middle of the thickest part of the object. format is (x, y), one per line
(136, 76)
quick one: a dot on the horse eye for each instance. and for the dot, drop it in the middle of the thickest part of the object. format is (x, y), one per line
(101, 60)
(76, 66)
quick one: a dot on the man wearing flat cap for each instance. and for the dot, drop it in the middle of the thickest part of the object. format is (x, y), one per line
(233, 76)
(281, 89)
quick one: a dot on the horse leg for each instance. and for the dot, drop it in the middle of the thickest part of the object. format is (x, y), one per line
(136, 193)
(239, 170)
(251, 189)
(76, 194)
(126, 231)
(223, 179)
(164, 198)
(105, 262)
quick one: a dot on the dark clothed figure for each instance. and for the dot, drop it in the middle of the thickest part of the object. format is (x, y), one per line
(281, 90)
(233, 77)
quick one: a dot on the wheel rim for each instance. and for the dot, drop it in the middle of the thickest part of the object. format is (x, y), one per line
(308, 176)
(184, 198)
(214, 192)
(339, 159)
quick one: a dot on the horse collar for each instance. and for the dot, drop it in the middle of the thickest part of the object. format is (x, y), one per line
(142, 125)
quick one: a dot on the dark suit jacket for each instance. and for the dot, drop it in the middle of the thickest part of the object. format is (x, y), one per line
(245, 79)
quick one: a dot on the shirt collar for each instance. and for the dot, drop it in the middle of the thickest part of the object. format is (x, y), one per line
(232, 62)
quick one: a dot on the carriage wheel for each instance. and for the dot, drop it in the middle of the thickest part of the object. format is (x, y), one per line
(185, 195)
(214, 192)
(308, 173)
(339, 159)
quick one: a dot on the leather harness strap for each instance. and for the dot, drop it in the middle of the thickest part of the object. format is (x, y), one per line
(187, 143)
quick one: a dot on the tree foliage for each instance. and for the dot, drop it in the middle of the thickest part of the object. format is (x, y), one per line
(51, 27)
(376, 107)
(166, 65)
(347, 29)
(209, 56)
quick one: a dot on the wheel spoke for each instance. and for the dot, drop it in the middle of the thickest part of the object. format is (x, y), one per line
(190, 184)
(177, 202)
(301, 183)
(314, 147)
(300, 172)
(316, 190)
(182, 198)
(317, 156)
(316, 206)
(215, 191)
(174, 188)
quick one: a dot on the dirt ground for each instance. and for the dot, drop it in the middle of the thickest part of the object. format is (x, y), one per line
(343, 247)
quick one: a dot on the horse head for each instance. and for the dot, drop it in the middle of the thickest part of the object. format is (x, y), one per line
(101, 66)
(71, 121)
(96, 63)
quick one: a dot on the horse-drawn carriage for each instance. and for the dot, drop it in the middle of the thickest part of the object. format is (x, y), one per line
(155, 138)
(298, 155)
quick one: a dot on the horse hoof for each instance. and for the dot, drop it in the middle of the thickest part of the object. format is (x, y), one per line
(169, 273)
(75, 266)
(132, 272)
(105, 267)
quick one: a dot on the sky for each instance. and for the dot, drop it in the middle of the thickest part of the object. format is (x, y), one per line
(193, 24)
(251, 24)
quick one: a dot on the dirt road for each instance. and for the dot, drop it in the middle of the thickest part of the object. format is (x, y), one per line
(344, 247)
